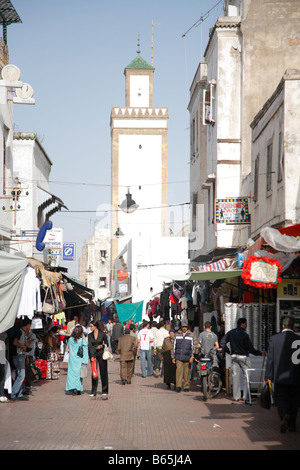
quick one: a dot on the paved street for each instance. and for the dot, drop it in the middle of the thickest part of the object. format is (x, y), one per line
(137, 417)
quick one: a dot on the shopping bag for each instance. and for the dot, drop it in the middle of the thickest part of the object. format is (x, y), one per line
(83, 371)
(94, 368)
(266, 396)
(107, 355)
(48, 303)
(80, 351)
(66, 356)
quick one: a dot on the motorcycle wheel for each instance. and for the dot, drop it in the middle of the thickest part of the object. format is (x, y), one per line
(215, 384)
(204, 387)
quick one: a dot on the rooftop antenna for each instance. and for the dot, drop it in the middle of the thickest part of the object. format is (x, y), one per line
(200, 21)
(152, 41)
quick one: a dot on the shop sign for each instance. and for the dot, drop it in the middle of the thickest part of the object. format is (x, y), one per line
(232, 211)
(261, 272)
(54, 238)
(122, 275)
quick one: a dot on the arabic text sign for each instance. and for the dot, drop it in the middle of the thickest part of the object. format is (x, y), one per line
(263, 272)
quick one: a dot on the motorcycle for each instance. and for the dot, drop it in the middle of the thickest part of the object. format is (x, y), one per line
(209, 377)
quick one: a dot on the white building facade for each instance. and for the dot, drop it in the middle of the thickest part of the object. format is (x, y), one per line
(35, 204)
(94, 263)
(245, 62)
(276, 158)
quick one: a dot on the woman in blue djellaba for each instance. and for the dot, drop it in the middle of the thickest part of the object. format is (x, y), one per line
(76, 344)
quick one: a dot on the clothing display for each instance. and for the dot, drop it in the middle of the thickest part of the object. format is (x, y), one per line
(30, 301)
(261, 321)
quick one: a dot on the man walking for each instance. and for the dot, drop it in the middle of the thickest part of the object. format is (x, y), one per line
(283, 369)
(161, 334)
(182, 356)
(240, 347)
(126, 349)
(117, 331)
(145, 339)
(207, 339)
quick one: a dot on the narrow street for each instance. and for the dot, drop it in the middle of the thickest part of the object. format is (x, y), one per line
(138, 417)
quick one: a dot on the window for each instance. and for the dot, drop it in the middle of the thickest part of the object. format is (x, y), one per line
(194, 212)
(197, 127)
(209, 217)
(193, 136)
(209, 97)
(280, 159)
(102, 282)
(269, 167)
(256, 172)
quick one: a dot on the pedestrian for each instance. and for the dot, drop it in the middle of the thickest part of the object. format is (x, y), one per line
(3, 338)
(183, 356)
(145, 339)
(117, 331)
(109, 327)
(161, 334)
(134, 334)
(76, 343)
(97, 339)
(71, 324)
(169, 368)
(29, 362)
(20, 345)
(153, 329)
(283, 370)
(240, 346)
(207, 340)
(126, 349)
(50, 340)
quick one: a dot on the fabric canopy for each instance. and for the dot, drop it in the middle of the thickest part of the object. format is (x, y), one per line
(130, 311)
(12, 271)
(204, 275)
(212, 275)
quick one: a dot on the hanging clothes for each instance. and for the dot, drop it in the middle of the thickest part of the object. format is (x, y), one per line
(183, 302)
(217, 294)
(30, 300)
(195, 294)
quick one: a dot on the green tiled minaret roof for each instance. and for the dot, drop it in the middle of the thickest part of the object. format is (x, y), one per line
(139, 64)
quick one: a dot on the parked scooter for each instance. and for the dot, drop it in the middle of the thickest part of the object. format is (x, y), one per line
(208, 374)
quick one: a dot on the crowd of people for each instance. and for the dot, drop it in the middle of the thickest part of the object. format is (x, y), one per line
(163, 352)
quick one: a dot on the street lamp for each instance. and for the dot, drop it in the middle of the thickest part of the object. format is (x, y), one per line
(119, 233)
(128, 205)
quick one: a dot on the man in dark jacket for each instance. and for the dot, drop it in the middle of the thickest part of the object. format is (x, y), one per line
(117, 331)
(182, 355)
(283, 369)
(239, 348)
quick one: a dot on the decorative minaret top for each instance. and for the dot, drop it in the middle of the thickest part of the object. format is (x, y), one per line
(139, 82)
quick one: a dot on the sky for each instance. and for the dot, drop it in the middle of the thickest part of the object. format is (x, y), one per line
(73, 53)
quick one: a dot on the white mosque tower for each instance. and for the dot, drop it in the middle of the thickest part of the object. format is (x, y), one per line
(139, 139)
(139, 167)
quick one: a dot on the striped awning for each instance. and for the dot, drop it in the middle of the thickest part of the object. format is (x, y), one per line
(8, 14)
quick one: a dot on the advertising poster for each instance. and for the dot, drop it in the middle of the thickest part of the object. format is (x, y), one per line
(232, 211)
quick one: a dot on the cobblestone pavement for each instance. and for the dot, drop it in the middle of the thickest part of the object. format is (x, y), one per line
(137, 417)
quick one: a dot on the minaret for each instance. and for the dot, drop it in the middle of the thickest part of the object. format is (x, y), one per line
(139, 146)
(139, 82)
